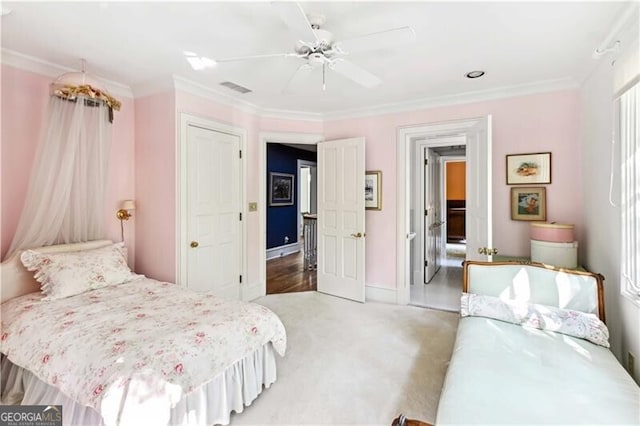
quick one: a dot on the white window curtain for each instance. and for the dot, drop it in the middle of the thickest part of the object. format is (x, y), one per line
(65, 198)
(629, 129)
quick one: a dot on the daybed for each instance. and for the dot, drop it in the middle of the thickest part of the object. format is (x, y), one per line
(502, 372)
(134, 352)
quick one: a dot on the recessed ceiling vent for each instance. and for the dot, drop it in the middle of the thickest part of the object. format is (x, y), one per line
(235, 87)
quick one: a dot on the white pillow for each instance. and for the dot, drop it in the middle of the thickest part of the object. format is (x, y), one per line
(67, 274)
(566, 321)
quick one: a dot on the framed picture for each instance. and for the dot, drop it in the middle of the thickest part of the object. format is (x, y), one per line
(280, 189)
(529, 203)
(373, 190)
(527, 169)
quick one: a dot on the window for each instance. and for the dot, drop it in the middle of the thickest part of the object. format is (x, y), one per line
(629, 125)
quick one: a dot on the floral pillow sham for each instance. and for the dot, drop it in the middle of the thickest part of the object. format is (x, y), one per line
(566, 321)
(66, 274)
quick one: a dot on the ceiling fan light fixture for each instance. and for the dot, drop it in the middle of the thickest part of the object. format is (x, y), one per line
(474, 74)
(199, 63)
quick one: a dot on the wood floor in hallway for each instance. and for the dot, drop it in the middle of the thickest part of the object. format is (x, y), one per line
(285, 275)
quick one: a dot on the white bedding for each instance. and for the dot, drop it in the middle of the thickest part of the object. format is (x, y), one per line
(212, 404)
(154, 340)
(502, 373)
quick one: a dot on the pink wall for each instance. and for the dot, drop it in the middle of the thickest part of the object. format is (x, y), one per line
(196, 105)
(156, 121)
(24, 99)
(155, 172)
(145, 171)
(534, 123)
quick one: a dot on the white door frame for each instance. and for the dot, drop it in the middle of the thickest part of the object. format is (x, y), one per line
(406, 137)
(419, 145)
(304, 164)
(265, 138)
(182, 194)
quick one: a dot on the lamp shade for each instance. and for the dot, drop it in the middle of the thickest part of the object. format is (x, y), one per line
(128, 205)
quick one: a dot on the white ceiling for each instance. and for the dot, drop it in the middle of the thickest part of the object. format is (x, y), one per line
(135, 43)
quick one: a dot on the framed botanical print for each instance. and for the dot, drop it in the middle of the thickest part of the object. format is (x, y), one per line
(527, 169)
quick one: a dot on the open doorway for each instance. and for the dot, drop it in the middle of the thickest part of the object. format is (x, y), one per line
(439, 205)
(475, 134)
(454, 189)
(291, 194)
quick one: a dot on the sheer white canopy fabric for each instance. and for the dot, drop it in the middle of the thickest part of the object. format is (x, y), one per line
(65, 198)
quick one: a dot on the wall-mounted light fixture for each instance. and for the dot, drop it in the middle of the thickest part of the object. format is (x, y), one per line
(125, 213)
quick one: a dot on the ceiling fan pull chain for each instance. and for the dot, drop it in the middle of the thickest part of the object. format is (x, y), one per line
(324, 86)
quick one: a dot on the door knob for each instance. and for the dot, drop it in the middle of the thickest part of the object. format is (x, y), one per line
(194, 244)
(482, 250)
(493, 251)
(358, 235)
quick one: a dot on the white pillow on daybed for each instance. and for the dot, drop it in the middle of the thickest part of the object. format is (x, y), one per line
(565, 321)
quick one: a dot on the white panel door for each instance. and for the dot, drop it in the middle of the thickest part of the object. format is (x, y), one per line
(429, 215)
(214, 256)
(479, 231)
(341, 228)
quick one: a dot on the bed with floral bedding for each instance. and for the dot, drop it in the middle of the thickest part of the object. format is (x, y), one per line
(113, 347)
(532, 348)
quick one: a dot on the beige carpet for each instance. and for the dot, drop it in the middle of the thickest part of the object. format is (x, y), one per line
(352, 363)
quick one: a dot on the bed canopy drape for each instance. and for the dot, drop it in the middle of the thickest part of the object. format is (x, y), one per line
(65, 197)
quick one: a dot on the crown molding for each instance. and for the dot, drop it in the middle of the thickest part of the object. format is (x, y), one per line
(291, 115)
(462, 98)
(36, 65)
(153, 87)
(207, 92)
(49, 69)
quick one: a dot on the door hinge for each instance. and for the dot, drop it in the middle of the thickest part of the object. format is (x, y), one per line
(240, 152)
(426, 212)
(240, 215)
(426, 263)
(240, 279)
(426, 162)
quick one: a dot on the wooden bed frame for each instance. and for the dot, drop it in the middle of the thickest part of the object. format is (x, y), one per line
(570, 273)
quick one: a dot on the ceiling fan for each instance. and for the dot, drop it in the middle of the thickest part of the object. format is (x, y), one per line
(317, 47)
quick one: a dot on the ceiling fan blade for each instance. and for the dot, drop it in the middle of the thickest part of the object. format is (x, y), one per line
(293, 15)
(355, 73)
(381, 40)
(299, 76)
(271, 55)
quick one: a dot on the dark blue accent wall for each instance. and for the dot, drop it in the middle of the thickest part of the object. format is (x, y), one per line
(283, 220)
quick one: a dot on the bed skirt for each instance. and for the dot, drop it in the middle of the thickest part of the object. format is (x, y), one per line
(233, 389)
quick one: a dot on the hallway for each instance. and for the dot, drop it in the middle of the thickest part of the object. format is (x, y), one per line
(286, 275)
(444, 290)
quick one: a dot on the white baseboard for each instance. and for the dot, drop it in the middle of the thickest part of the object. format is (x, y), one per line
(374, 293)
(251, 291)
(285, 250)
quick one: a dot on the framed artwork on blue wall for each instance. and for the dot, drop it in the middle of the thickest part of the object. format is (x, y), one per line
(280, 189)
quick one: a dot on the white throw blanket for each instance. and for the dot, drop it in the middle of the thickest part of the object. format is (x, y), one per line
(157, 338)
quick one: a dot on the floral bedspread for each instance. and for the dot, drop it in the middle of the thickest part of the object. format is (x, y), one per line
(96, 343)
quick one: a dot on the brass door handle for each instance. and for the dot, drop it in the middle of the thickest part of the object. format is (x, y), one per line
(488, 251)
(194, 244)
(358, 235)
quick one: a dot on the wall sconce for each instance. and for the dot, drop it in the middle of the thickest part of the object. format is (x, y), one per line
(124, 214)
